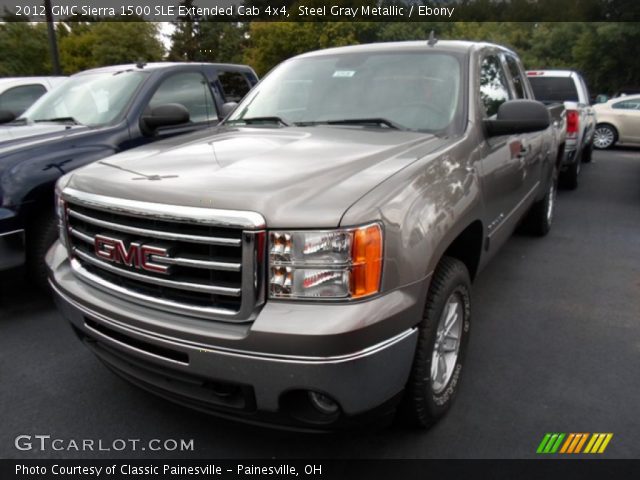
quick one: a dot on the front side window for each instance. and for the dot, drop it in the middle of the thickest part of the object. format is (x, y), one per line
(189, 89)
(17, 99)
(516, 77)
(92, 99)
(494, 90)
(418, 91)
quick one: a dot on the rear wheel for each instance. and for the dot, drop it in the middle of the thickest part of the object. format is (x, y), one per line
(540, 217)
(605, 136)
(442, 342)
(587, 153)
(569, 178)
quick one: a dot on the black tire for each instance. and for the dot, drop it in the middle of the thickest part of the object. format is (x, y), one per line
(569, 178)
(42, 232)
(539, 219)
(587, 153)
(423, 405)
(605, 136)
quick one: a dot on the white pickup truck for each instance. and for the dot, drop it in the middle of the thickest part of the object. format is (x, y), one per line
(568, 87)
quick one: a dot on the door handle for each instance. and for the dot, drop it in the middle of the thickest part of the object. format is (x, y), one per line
(524, 150)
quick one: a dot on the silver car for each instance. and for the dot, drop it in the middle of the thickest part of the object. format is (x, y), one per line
(618, 122)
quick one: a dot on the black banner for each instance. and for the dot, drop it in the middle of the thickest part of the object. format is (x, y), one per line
(324, 10)
(542, 469)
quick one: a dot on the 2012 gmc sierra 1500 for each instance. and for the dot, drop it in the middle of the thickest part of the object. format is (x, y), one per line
(311, 261)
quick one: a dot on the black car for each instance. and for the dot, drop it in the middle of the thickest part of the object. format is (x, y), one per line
(95, 114)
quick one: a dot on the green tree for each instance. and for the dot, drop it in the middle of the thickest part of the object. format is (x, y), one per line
(90, 45)
(222, 42)
(24, 49)
(185, 39)
(604, 52)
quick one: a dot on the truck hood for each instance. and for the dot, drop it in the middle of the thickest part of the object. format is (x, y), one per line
(294, 177)
(27, 136)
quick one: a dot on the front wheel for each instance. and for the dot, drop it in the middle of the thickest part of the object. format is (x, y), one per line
(442, 342)
(41, 234)
(604, 137)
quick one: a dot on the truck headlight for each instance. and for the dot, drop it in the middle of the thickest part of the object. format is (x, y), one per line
(329, 264)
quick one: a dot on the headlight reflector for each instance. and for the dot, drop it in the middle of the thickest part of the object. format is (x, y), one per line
(331, 264)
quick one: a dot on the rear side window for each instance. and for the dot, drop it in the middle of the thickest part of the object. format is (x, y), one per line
(234, 86)
(16, 100)
(554, 89)
(627, 105)
(516, 77)
(191, 90)
(494, 89)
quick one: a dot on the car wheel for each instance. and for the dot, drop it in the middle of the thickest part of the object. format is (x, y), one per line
(587, 153)
(41, 234)
(442, 342)
(540, 217)
(569, 178)
(605, 136)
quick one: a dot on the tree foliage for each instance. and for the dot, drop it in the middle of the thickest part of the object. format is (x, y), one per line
(24, 49)
(96, 44)
(601, 51)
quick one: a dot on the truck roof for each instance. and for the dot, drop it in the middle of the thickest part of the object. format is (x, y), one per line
(23, 80)
(158, 66)
(456, 46)
(551, 73)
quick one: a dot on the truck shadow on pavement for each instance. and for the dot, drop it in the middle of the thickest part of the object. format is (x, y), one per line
(18, 296)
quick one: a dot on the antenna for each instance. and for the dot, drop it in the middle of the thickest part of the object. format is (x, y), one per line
(432, 39)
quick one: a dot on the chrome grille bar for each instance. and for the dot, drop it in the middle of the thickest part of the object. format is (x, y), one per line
(180, 261)
(193, 287)
(217, 264)
(228, 242)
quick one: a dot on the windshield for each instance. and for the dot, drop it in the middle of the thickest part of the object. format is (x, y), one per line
(413, 91)
(554, 89)
(93, 99)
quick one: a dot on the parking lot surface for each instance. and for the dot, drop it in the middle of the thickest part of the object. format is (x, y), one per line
(555, 347)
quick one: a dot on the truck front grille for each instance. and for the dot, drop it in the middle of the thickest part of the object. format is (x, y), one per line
(186, 262)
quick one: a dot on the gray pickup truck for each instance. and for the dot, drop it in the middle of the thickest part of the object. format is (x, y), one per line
(309, 264)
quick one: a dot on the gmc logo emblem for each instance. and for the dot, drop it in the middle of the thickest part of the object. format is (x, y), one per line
(136, 255)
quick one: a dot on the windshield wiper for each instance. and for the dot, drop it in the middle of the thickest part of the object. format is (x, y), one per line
(70, 120)
(17, 121)
(252, 120)
(355, 121)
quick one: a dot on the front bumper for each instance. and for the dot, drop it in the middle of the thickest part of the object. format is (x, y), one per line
(253, 371)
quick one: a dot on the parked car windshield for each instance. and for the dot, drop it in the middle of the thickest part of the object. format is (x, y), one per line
(92, 99)
(554, 89)
(418, 91)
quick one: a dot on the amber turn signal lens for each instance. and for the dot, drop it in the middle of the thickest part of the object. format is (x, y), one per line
(367, 261)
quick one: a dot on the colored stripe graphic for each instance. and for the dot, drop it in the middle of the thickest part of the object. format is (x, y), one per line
(550, 443)
(598, 442)
(573, 443)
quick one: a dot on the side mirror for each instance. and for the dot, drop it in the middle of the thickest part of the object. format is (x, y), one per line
(163, 116)
(6, 116)
(602, 98)
(519, 116)
(227, 108)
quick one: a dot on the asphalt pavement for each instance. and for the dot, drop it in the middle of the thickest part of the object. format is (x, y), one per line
(554, 347)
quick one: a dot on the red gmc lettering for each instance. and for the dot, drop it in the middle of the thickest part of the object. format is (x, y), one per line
(137, 256)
